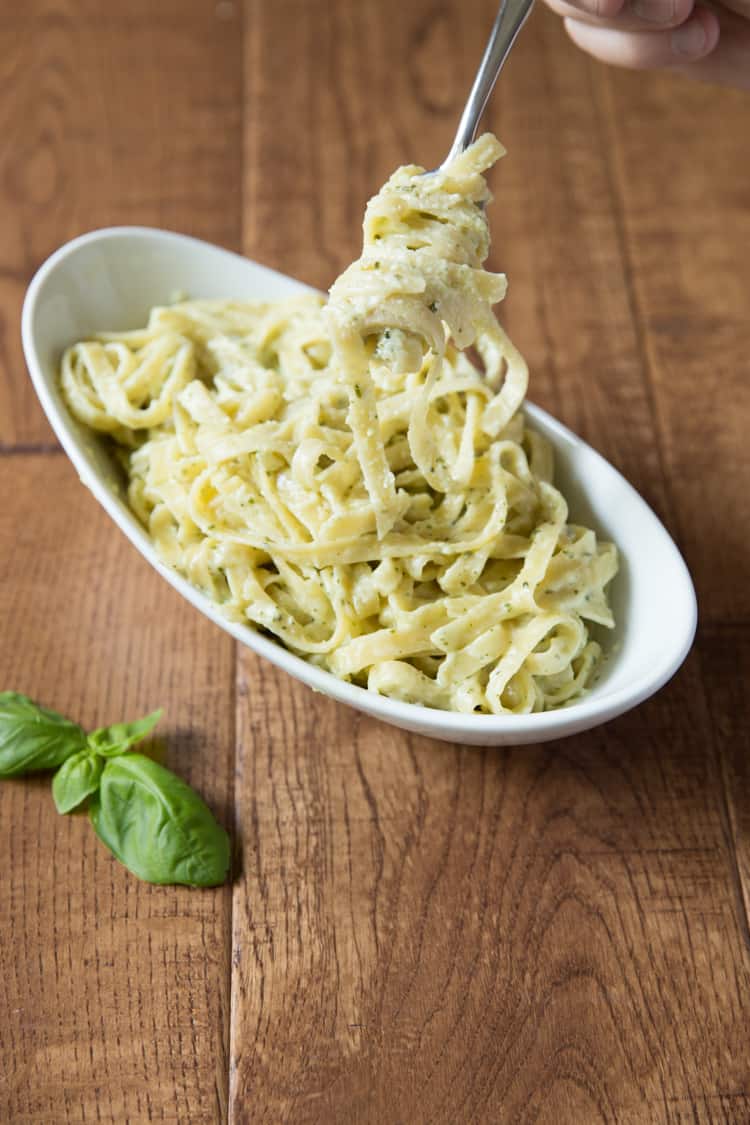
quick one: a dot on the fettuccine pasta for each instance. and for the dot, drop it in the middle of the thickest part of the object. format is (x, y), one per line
(356, 478)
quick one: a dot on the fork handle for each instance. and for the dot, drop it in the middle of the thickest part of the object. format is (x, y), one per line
(511, 16)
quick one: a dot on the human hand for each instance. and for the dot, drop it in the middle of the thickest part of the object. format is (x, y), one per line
(711, 44)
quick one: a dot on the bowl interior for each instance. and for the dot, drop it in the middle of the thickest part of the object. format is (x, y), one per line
(111, 279)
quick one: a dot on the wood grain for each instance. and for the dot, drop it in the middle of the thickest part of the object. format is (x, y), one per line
(687, 274)
(110, 114)
(417, 932)
(686, 228)
(430, 933)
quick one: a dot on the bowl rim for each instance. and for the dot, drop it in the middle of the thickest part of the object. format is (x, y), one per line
(591, 710)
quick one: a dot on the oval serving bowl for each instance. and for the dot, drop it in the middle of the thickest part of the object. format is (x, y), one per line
(110, 279)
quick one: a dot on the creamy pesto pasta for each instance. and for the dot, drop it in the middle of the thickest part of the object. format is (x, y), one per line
(356, 477)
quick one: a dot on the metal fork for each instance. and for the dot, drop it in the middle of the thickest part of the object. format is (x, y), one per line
(511, 16)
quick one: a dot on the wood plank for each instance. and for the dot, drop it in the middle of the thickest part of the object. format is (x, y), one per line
(111, 113)
(114, 995)
(119, 1009)
(682, 193)
(431, 933)
(725, 657)
(689, 277)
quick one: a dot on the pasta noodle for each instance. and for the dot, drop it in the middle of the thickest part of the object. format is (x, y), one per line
(356, 478)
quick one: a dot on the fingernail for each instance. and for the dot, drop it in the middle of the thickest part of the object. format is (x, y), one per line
(654, 11)
(690, 39)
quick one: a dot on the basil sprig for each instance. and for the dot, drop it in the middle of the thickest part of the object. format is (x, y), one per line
(154, 823)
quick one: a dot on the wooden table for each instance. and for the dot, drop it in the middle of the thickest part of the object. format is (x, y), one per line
(416, 932)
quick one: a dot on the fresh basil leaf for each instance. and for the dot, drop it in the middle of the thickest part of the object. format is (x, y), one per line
(76, 780)
(110, 741)
(33, 737)
(157, 825)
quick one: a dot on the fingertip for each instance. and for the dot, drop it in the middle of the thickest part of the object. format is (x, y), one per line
(584, 35)
(646, 50)
(572, 26)
(711, 26)
(698, 36)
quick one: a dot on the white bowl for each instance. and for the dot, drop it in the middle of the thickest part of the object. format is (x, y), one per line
(110, 279)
